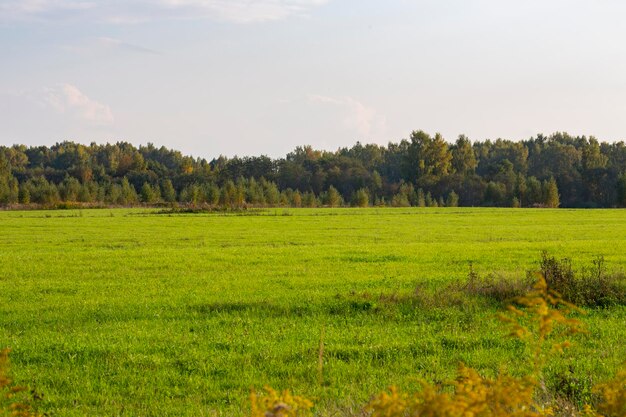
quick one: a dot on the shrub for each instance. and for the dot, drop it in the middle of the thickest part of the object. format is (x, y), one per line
(591, 287)
(594, 287)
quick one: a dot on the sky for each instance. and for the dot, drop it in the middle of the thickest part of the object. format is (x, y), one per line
(252, 77)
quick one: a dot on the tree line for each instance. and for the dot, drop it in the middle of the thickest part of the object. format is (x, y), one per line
(423, 170)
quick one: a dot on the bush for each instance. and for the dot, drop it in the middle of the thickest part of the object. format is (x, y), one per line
(594, 287)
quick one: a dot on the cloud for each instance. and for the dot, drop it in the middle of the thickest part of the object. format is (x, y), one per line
(69, 100)
(242, 11)
(90, 46)
(136, 11)
(356, 116)
(118, 44)
(24, 9)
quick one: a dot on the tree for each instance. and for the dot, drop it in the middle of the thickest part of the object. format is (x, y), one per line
(429, 156)
(191, 194)
(113, 194)
(296, 199)
(463, 157)
(167, 191)
(229, 195)
(211, 193)
(332, 198)
(69, 189)
(551, 193)
(377, 183)
(592, 157)
(24, 194)
(495, 194)
(520, 190)
(149, 194)
(621, 191)
(421, 199)
(361, 198)
(589, 173)
(85, 194)
(534, 192)
(128, 193)
(428, 200)
(400, 200)
(309, 199)
(452, 200)
(272, 194)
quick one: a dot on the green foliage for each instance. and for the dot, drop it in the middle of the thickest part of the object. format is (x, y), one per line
(167, 191)
(551, 194)
(332, 198)
(421, 199)
(452, 200)
(621, 191)
(430, 156)
(400, 200)
(489, 173)
(149, 194)
(361, 198)
(128, 194)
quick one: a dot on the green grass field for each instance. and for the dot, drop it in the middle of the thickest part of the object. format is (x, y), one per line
(128, 312)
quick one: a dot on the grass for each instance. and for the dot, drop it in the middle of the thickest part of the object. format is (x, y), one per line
(128, 312)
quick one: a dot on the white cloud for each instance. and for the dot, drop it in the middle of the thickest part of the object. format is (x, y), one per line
(90, 46)
(242, 11)
(22, 9)
(69, 100)
(357, 116)
(135, 11)
(119, 44)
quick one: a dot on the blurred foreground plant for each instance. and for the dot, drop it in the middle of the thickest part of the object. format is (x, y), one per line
(275, 404)
(13, 401)
(476, 396)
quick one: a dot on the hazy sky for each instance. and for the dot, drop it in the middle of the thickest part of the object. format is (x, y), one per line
(246, 77)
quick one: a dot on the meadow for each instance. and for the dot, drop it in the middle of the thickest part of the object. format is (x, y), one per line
(143, 313)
